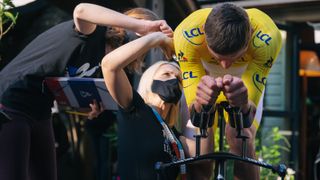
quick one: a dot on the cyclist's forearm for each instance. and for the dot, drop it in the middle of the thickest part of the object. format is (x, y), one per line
(249, 110)
(207, 143)
(203, 170)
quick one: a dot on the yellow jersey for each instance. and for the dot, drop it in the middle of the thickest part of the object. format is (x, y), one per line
(253, 67)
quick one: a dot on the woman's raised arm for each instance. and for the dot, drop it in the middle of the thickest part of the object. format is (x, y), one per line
(87, 16)
(113, 63)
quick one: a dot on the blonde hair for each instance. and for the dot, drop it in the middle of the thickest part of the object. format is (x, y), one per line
(142, 13)
(152, 99)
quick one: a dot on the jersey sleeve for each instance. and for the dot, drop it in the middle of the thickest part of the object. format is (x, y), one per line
(191, 71)
(265, 46)
(190, 64)
(189, 39)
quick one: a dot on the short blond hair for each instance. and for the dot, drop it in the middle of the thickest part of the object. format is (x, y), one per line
(153, 99)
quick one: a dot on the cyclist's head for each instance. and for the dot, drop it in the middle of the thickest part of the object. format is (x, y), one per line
(227, 29)
(161, 71)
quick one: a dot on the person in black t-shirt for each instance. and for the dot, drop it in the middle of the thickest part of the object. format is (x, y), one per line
(73, 48)
(146, 132)
(99, 121)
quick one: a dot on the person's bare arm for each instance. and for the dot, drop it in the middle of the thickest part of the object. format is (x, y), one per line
(113, 63)
(87, 16)
(202, 170)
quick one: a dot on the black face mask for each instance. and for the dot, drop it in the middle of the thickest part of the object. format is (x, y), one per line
(169, 91)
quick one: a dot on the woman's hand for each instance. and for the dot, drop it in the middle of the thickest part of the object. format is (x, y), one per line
(167, 46)
(96, 109)
(154, 26)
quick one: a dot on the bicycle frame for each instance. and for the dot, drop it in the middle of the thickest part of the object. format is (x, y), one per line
(221, 157)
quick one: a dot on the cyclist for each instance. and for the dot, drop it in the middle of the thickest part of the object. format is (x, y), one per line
(225, 53)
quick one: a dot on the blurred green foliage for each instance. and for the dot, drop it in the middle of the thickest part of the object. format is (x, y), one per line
(7, 18)
(274, 144)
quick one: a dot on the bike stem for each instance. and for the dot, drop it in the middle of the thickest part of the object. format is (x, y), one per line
(220, 171)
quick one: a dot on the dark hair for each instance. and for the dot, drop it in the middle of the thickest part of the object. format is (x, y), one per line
(227, 29)
(115, 36)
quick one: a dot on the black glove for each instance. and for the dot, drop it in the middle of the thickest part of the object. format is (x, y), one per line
(204, 119)
(237, 118)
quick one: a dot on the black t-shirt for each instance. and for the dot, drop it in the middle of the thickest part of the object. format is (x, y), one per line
(50, 54)
(141, 143)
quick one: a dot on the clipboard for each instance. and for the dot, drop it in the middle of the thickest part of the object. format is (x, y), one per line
(80, 92)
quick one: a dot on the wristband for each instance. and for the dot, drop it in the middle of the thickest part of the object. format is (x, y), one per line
(202, 119)
(238, 119)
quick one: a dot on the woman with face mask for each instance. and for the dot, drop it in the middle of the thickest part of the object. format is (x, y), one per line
(73, 48)
(147, 116)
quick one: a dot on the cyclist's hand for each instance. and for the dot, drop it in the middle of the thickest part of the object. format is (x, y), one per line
(219, 81)
(235, 91)
(207, 91)
(154, 26)
(96, 109)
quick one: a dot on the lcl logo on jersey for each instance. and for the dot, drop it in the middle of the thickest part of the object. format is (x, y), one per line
(194, 35)
(188, 75)
(266, 38)
(193, 32)
(259, 81)
(189, 78)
